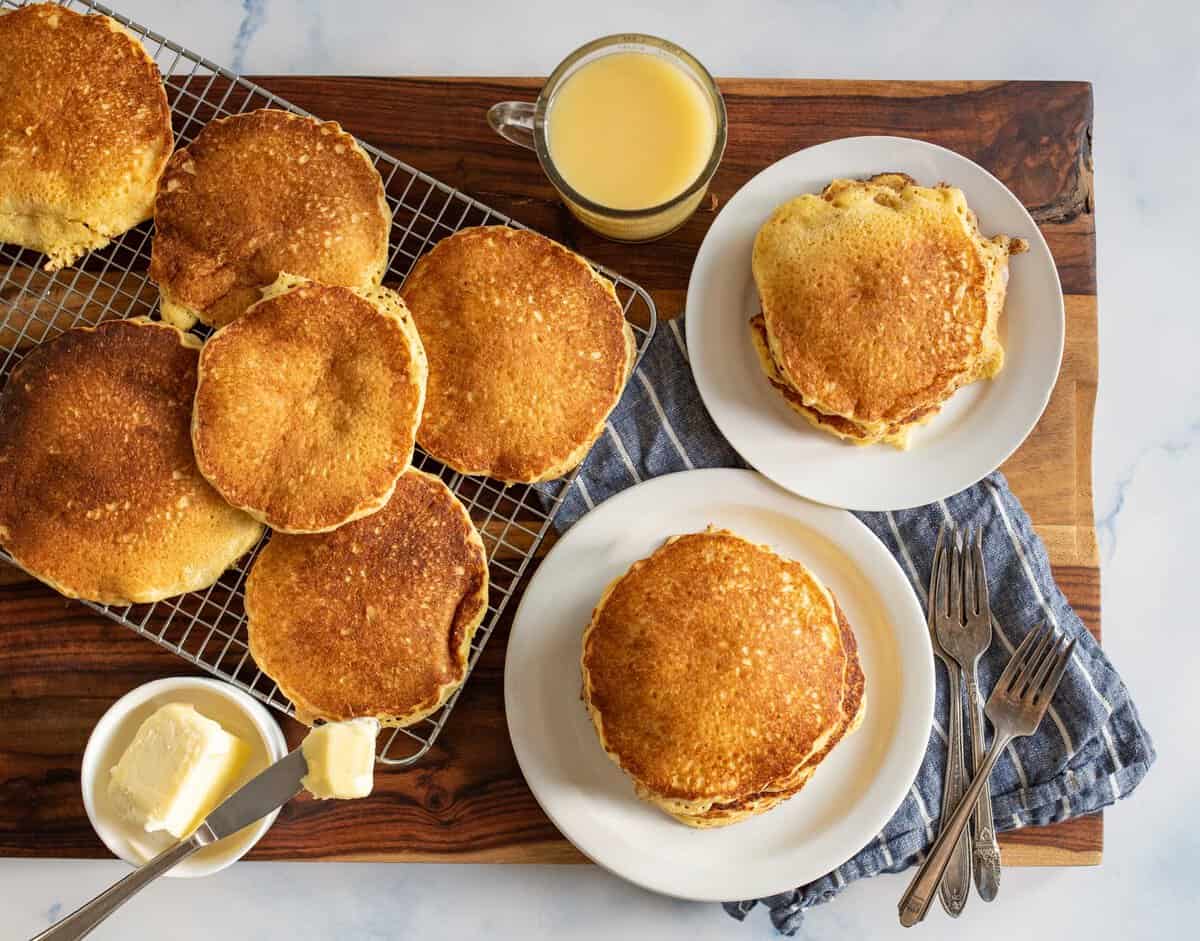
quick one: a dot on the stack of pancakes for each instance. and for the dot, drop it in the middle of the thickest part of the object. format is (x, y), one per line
(880, 298)
(719, 675)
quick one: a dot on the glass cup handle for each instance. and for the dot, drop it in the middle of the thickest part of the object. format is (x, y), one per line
(513, 120)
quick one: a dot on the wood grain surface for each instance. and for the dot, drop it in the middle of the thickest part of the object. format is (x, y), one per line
(61, 666)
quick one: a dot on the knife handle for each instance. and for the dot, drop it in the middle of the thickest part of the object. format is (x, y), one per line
(80, 922)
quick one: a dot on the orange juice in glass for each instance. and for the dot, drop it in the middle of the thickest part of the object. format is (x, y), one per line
(629, 129)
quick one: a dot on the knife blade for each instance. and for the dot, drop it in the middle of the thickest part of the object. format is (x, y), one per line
(263, 793)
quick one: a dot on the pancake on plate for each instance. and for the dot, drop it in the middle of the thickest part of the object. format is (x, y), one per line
(719, 675)
(880, 298)
(307, 406)
(85, 131)
(257, 194)
(528, 353)
(375, 618)
(100, 496)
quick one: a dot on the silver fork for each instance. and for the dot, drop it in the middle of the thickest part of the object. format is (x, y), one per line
(1016, 707)
(965, 633)
(977, 615)
(956, 884)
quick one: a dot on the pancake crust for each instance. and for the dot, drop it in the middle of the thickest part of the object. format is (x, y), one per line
(100, 496)
(528, 353)
(375, 618)
(881, 298)
(715, 669)
(307, 406)
(85, 131)
(853, 710)
(258, 194)
(896, 434)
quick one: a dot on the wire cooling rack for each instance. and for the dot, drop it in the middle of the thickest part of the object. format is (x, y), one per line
(208, 628)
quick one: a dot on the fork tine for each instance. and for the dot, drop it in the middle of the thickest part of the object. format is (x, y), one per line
(942, 599)
(956, 581)
(970, 600)
(938, 549)
(1020, 655)
(1046, 689)
(982, 602)
(1050, 662)
(1039, 656)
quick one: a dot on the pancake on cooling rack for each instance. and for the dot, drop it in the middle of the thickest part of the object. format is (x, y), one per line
(257, 194)
(100, 497)
(307, 405)
(375, 618)
(880, 298)
(528, 353)
(84, 131)
(719, 675)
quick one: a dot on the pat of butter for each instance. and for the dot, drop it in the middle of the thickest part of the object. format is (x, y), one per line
(341, 758)
(178, 767)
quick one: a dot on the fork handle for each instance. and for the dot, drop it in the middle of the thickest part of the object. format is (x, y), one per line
(914, 903)
(986, 851)
(956, 885)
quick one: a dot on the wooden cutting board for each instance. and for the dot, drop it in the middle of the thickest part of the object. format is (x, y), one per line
(61, 665)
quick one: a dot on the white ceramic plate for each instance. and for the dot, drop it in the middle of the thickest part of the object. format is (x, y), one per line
(978, 428)
(856, 789)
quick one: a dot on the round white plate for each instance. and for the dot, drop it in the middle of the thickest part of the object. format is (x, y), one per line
(856, 789)
(978, 428)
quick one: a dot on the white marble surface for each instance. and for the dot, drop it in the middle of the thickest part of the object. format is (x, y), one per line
(1143, 61)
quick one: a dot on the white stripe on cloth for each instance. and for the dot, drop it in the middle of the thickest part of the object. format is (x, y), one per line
(1112, 747)
(622, 453)
(662, 416)
(1025, 566)
(888, 860)
(923, 811)
(583, 492)
(912, 574)
(673, 325)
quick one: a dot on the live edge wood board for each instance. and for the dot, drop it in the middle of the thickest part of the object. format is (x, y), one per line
(61, 665)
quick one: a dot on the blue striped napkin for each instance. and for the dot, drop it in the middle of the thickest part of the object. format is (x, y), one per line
(1090, 752)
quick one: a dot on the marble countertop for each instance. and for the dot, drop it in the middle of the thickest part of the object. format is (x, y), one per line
(1146, 73)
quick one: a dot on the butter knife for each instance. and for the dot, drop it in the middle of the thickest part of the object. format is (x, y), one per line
(272, 788)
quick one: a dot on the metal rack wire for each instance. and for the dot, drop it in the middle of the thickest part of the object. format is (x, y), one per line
(208, 628)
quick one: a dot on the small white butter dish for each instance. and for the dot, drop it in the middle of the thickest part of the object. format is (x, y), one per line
(237, 712)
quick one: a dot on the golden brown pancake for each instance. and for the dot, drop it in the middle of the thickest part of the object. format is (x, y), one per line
(374, 618)
(853, 711)
(844, 428)
(880, 298)
(528, 353)
(258, 194)
(85, 131)
(716, 673)
(100, 496)
(307, 406)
